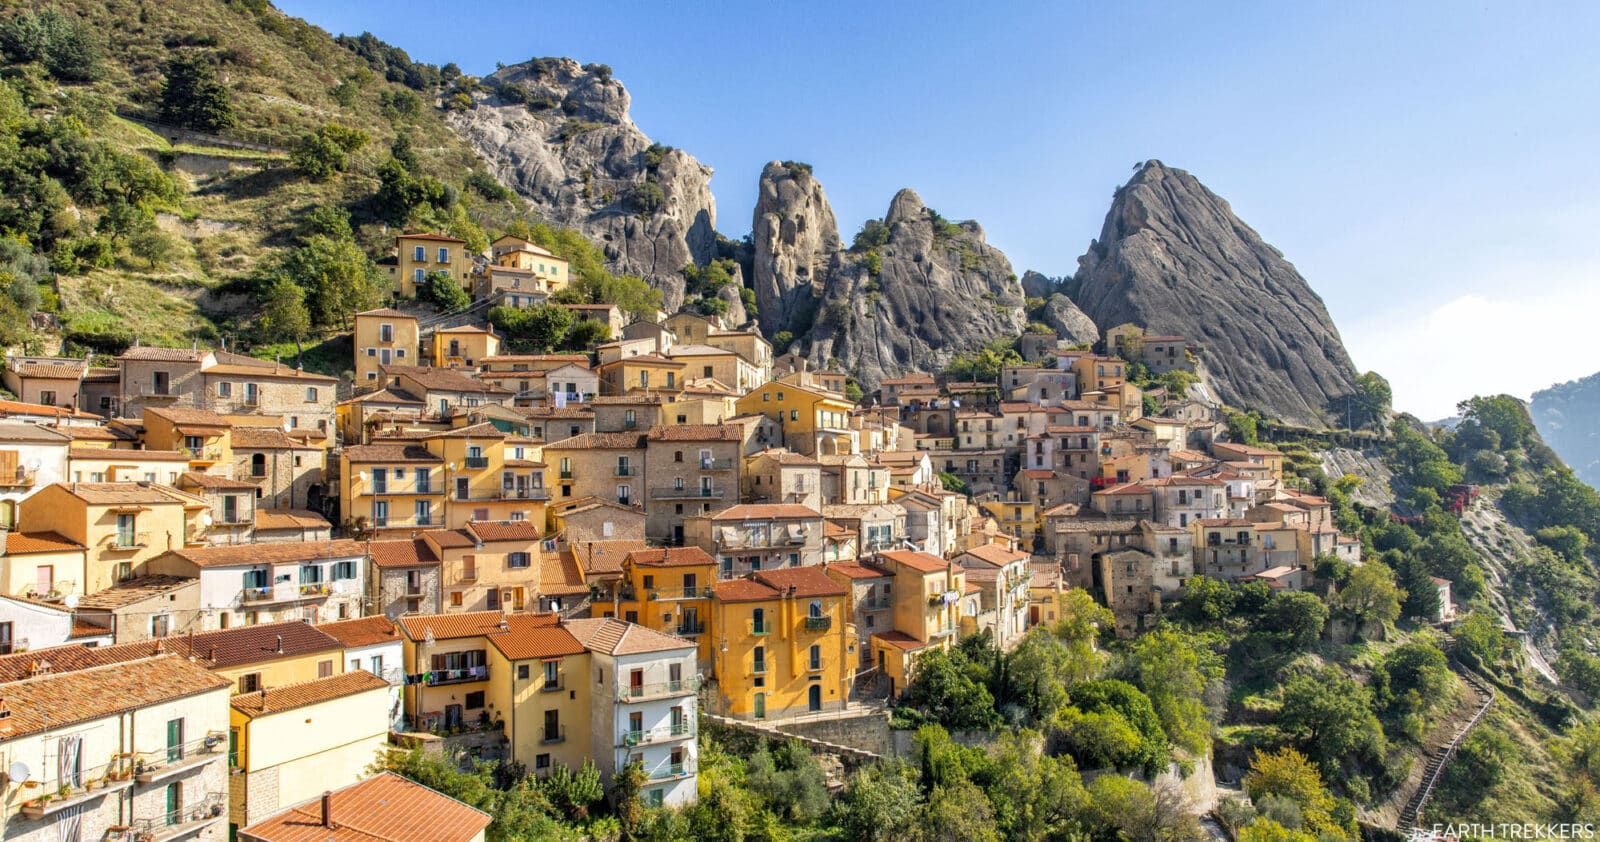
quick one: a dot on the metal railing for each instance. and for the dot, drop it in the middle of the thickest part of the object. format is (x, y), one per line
(458, 676)
(659, 689)
(20, 478)
(41, 798)
(214, 805)
(760, 628)
(130, 540)
(716, 464)
(474, 462)
(689, 629)
(665, 733)
(550, 737)
(819, 623)
(687, 493)
(671, 770)
(758, 667)
(201, 454)
(626, 471)
(153, 765)
(678, 593)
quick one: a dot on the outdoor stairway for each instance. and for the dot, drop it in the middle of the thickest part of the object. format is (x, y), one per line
(1442, 757)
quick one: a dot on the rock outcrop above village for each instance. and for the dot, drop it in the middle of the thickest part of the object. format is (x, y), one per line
(908, 295)
(1173, 257)
(559, 134)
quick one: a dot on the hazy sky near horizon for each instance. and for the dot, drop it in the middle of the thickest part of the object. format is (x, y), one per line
(1428, 166)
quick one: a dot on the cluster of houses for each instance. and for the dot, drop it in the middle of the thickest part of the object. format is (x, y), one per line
(553, 557)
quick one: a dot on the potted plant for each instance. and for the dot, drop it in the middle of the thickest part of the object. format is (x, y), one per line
(64, 791)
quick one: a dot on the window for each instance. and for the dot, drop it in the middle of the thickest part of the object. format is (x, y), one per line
(552, 726)
(474, 700)
(224, 389)
(310, 574)
(455, 599)
(493, 599)
(324, 668)
(518, 560)
(311, 394)
(541, 763)
(816, 657)
(522, 672)
(815, 609)
(126, 537)
(552, 675)
(419, 253)
(444, 255)
(250, 682)
(344, 570)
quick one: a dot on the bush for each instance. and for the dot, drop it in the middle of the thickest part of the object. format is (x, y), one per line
(319, 155)
(442, 291)
(66, 47)
(193, 97)
(646, 198)
(486, 186)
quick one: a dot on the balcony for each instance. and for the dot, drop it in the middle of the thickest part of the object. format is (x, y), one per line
(50, 796)
(659, 690)
(130, 541)
(414, 590)
(758, 668)
(152, 766)
(819, 624)
(524, 493)
(552, 736)
(687, 493)
(476, 462)
(155, 392)
(555, 685)
(760, 628)
(202, 454)
(458, 676)
(716, 464)
(691, 629)
(395, 490)
(625, 471)
(877, 603)
(407, 523)
(663, 734)
(667, 595)
(185, 821)
(566, 474)
(20, 478)
(669, 771)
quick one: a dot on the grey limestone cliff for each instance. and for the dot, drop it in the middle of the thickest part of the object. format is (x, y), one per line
(560, 135)
(1173, 257)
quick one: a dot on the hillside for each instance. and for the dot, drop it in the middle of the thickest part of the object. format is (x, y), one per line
(1566, 416)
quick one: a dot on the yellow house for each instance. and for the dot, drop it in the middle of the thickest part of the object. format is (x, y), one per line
(417, 255)
(464, 347)
(1098, 373)
(121, 526)
(668, 590)
(393, 485)
(484, 477)
(383, 337)
(704, 362)
(1019, 518)
(688, 407)
(41, 564)
(104, 464)
(814, 423)
(550, 273)
(488, 566)
(651, 372)
(1235, 452)
(927, 592)
(782, 642)
(291, 743)
(264, 656)
(201, 435)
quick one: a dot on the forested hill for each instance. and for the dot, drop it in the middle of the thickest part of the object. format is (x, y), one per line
(1567, 416)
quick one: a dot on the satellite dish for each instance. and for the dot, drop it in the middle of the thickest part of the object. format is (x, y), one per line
(19, 772)
(71, 601)
(205, 518)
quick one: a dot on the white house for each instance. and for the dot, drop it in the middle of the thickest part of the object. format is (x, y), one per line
(268, 583)
(1182, 500)
(27, 624)
(375, 644)
(143, 745)
(1004, 577)
(31, 457)
(645, 705)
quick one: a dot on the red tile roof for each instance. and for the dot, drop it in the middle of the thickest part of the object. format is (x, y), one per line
(293, 696)
(24, 543)
(410, 552)
(275, 553)
(253, 644)
(696, 432)
(856, 570)
(805, 581)
(616, 637)
(378, 809)
(63, 700)
(365, 631)
(921, 562)
(996, 555)
(759, 511)
(671, 557)
(491, 532)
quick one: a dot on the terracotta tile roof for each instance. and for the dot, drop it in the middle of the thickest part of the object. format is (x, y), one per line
(617, 637)
(806, 581)
(389, 453)
(53, 702)
(484, 430)
(163, 355)
(604, 557)
(995, 555)
(261, 438)
(696, 432)
(569, 358)
(918, 561)
(899, 640)
(1224, 521)
(635, 399)
(292, 696)
(759, 511)
(559, 575)
(671, 557)
(73, 657)
(25, 543)
(600, 441)
(113, 454)
(290, 519)
(742, 590)
(1038, 473)
(132, 591)
(442, 379)
(274, 553)
(451, 538)
(390, 395)
(50, 370)
(253, 644)
(410, 552)
(188, 416)
(495, 531)
(437, 238)
(529, 636)
(386, 312)
(84, 432)
(531, 412)
(449, 626)
(212, 482)
(122, 493)
(834, 529)
(364, 631)
(34, 433)
(20, 408)
(383, 808)
(857, 570)
(785, 457)
(1125, 488)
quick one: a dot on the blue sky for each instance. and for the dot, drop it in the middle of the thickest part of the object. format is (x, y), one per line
(1426, 165)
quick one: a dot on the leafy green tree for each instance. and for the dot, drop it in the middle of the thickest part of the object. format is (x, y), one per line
(1296, 618)
(1266, 830)
(951, 482)
(958, 812)
(1123, 808)
(330, 221)
(790, 781)
(1581, 670)
(880, 803)
(1483, 760)
(442, 291)
(1369, 405)
(1370, 594)
(1243, 428)
(1418, 676)
(1422, 595)
(1176, 671)
(1036, 675)
(339, 279)
(984, 365)
(585, 334)
(574, 793)
(947, 693)
(873, 233)
(1206, 600)
(193, 96)
(1329, 716)
(154, 246)
(1479, 635)
(284, 316)
(1286, 773)
(1035, 795)
(626, 805)
(537, 329)
(321, 154)
(1569, 542)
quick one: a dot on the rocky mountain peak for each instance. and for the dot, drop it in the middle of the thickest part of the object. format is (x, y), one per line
(1173, 257)
(906, 206)
(559, 134)
(796, 242)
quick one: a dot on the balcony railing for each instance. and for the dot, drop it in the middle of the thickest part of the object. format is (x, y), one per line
(549, 686)
(152, 766)
(687, 493)
(524, 493)
(668, 771)
(665, 733)
(626, 471)
(475, 462)
(877, 603)
(551, 736)
(174, 823)
(20, 478)
(758, 667)
(819, 623)
(665, 594)
(659, 690)
(566, 474)
(130, 540)
(458, 676)
(407, 523)
(760, 628)
(690, 629)
(398, 490)
(52, 795)
(716, 464)
(201, 454)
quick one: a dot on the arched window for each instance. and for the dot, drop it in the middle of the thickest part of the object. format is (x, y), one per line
(258, 464)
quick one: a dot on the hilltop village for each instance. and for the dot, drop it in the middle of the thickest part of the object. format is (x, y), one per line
(449, 547)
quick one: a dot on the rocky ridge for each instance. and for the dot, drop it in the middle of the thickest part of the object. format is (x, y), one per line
(1174, 258)
(559, 134)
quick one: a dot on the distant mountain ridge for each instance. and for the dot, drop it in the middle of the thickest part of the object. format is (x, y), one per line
(1568, 418)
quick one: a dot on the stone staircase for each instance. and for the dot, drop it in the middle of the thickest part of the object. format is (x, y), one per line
(1441, 758)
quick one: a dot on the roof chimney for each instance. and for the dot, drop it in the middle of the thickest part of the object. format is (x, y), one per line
(280, 644)
(327, 810)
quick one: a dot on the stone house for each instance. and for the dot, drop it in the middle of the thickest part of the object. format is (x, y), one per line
(779, 476)
(691, 469)
(607, 466)
(287, 473)
(405, 577)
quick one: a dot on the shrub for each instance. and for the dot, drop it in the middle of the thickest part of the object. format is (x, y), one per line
(442, 291)
(193, 97)
(64, 46)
